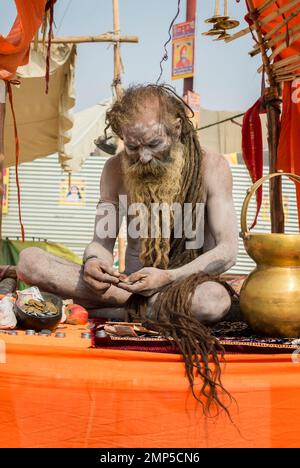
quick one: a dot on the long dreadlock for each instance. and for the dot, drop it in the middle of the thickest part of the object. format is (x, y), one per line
(171, 315)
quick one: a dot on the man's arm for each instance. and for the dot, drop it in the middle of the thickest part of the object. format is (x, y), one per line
(222, 223)
(98, 255)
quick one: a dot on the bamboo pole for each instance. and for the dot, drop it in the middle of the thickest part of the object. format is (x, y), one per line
(273, 118)
(270, 40)
(107, 37)
(241, 33)
(119, 92)
(2, 119)
(266, 5)
(287, 70)
(117, 51)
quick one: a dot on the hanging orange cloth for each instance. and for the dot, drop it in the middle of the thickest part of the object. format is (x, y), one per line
(288, 158)
(288, 155)
(14, 48)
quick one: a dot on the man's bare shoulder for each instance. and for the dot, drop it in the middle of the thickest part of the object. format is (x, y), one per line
(111, 184)
(113, 166)
(216, 170)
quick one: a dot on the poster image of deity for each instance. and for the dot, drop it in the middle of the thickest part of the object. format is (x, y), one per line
(72, 193)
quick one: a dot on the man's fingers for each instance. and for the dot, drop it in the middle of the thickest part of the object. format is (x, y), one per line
(133, 288)
(134, 277)
(97, 285)
(123, 277)
(97, 275)
(109, 278)
(110, 270)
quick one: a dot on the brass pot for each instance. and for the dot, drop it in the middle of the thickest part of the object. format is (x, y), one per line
(270, 296)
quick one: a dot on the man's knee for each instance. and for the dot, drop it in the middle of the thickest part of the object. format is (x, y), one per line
(211, 302)
(29, 259)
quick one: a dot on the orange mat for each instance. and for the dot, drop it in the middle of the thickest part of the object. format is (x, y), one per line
(61, 393)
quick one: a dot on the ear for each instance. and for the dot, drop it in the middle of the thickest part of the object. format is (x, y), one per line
(178, 127)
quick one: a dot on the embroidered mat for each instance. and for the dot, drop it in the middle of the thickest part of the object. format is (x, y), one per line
(236, 337)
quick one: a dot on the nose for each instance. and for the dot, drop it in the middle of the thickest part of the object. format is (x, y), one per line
(145, 156)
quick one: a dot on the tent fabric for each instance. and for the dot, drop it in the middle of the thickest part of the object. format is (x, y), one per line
(44, 121)
(288, 156)
(224, 138)
(62, 393)
(14, 48)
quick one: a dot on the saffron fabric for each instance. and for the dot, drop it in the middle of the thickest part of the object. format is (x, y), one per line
(14, 48)
(62, 393)
(288, 156)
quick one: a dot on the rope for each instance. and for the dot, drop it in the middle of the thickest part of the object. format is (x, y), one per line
(220, 122)
(50, 7)
(10, 95)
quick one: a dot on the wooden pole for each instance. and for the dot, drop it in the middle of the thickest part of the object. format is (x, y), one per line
(108, 37)
(2, 119)
(119, 93)
(117, 51)
(191, 6)
(273, 118)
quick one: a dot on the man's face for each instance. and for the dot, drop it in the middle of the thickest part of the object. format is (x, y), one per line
(146, 141)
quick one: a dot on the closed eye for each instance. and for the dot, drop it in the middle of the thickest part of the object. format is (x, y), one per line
(154, 144)
(132, 147)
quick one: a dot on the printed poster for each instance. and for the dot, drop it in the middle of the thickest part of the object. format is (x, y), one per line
(72, 193)
(183, 45)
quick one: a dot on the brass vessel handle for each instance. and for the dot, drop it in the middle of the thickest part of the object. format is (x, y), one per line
(251, 191)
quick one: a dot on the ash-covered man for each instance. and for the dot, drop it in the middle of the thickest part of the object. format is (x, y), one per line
(162, 162)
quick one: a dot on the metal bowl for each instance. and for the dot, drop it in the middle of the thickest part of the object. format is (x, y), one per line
(27, 321)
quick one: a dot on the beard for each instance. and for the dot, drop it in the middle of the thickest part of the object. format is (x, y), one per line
(157, 182)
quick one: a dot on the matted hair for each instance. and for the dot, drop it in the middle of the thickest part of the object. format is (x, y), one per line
(172, 313)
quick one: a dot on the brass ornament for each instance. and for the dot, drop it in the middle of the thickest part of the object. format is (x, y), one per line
(213, 32)
(222, 36)
(227, 24)
(217, 16)
(221, 23)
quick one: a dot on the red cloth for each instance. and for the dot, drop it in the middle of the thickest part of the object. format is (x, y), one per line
(14, 49)
(252, 145)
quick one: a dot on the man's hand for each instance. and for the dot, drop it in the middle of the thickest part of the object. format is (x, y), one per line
(99, 275)
(146, 281)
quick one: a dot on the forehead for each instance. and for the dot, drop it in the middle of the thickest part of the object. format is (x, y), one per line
(147, 123)
(144, 131)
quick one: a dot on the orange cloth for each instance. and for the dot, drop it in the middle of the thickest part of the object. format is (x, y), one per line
(61, 393)
(288, 157)
(14, 49)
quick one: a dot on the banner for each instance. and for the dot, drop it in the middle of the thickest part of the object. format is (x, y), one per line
(193, 101)
(183, 50)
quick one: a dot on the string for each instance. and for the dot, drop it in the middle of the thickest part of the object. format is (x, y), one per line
(10, 95)
(165, 56)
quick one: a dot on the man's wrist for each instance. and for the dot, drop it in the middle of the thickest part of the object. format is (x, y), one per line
(89, 257)
(172, 276)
